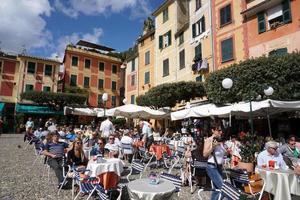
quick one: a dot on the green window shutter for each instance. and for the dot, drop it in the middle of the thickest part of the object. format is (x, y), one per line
(86, 82)
(203, 24)
(261, 22)
(100, 84)
(132, 99)
(160, 42)
(194, 30)
(169, 38)
(101, 66)
(74, 61)
(282, 51)
(73, 81)
(48, 70)
(286, 9)
(198, 52)
(227, 50)
(147, 78)
(114, 85)
(46, 89)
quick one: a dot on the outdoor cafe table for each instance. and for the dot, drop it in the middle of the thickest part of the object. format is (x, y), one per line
(159, 149)
(109, 171)
(280, 183)
(141, 189)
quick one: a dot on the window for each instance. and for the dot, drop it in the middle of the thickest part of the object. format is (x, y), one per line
(199, 27)
(132, 99)
(225, 15)
(101, 66)
(166, 67)
(198, 4)
(100, 84)
(261, 22)
(73, 81)
(199, 78)
(165, 40)
(132, 80)
(147, 78)
(87, 63)
(181, 38)
(99, 99)
(286, 9)
(31, 68)
(165, 15)
(227, 49)
(113, 101)
(0, 66)
(278, 52)
(74, 61)
(114, 69)
(181, 59)
(114, 85)
(28, 88)
(147, 58)
(86, 83)
(46, 89)
(48, 70)
(133, 65)
(198, 52)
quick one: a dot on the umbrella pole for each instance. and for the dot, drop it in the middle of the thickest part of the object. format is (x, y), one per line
(269, 122)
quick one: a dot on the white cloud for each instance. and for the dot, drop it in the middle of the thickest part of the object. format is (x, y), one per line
(73, 8)
(63, 41)
(22, 23)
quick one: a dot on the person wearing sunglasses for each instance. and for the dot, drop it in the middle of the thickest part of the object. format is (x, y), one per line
(271, 153)
(98, 149)
(76, 155)
(112, 147)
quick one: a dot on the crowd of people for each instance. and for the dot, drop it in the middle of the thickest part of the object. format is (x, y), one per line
(59, 142)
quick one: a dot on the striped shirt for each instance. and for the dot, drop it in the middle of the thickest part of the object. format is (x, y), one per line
(56, 148)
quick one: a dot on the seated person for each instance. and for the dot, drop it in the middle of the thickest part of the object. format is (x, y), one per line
(55, 151)
(112, 147)
(126, 143)
(289, 149)
(38, 133)
(76, 155)
(98, 149)
(271, 153)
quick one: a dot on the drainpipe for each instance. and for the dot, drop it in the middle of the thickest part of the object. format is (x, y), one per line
(212, 35)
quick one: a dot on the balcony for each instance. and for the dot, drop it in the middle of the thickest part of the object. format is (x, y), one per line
(255, 6)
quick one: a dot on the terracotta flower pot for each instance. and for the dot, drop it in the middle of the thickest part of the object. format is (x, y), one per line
(248, 166)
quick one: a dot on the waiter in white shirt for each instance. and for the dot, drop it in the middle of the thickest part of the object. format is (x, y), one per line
(107, 127)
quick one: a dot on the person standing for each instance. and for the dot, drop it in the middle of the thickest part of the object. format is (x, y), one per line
(147, 134)
(107, 127)
(29, 124)
(1, 125)
(214, 151)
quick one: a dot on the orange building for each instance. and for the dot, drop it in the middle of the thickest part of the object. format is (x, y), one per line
(229, 32)
(93, 67)
(273, 26)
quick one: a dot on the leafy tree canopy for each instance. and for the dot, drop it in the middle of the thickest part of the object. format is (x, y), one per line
(168, 94)
(252, 76)
(55, 100)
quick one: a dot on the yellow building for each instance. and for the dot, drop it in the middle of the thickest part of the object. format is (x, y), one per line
(146, 60)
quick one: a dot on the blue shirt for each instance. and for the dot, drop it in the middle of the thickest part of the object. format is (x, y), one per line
(71, 136)
(56, 148)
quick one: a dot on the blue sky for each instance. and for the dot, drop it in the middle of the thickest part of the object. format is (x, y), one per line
(44, 27)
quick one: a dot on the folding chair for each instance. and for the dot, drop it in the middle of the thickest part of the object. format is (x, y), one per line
(241, 177)
(199, 165)
(38, 155)
(126, 148)
(138, 167)
(176, 180)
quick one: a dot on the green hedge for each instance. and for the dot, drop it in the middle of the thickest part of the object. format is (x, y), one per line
(168, 94)
(57, 100)
(252, 76)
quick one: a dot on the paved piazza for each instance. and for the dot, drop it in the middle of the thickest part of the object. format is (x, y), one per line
(22, 181)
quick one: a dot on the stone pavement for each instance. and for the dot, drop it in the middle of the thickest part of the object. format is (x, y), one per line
(20, 180)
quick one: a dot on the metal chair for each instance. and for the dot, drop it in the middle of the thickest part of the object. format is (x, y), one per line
(138, 167)
(176, 180)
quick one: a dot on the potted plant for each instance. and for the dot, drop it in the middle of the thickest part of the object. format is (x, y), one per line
(250, 145)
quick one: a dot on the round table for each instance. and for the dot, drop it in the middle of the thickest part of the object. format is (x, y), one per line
(280, 183)
(141, 189)
(109, 171)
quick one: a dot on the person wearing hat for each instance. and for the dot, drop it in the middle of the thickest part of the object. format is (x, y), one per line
(271, 153)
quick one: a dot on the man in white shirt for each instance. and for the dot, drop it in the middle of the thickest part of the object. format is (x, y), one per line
(29, 124)
(271, 153)
(107, 127)
(147, 134)
(112, 147)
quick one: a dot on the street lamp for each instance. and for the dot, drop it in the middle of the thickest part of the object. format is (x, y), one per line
(227, 84)
(124, 101)
(104, 99)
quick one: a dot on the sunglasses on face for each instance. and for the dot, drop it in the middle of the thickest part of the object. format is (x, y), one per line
(100, 143)
(111, 138)
(78, 142)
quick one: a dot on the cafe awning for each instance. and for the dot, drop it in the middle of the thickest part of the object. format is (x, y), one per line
(35, 109)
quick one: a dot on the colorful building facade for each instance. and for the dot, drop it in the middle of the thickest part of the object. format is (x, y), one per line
(273, 26)
(131, 79)
(94, 68)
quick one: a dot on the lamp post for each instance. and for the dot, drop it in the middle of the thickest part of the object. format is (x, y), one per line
(268, 92)
(104, 99)
(124, 101)
(227, 84)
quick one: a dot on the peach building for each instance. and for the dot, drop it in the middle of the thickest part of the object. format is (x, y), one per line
(132, 79)
(273, 26)
(94, 67)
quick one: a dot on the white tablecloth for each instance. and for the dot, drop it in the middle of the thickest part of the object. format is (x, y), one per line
(280, 183)
(109, 165)
(141, 189)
